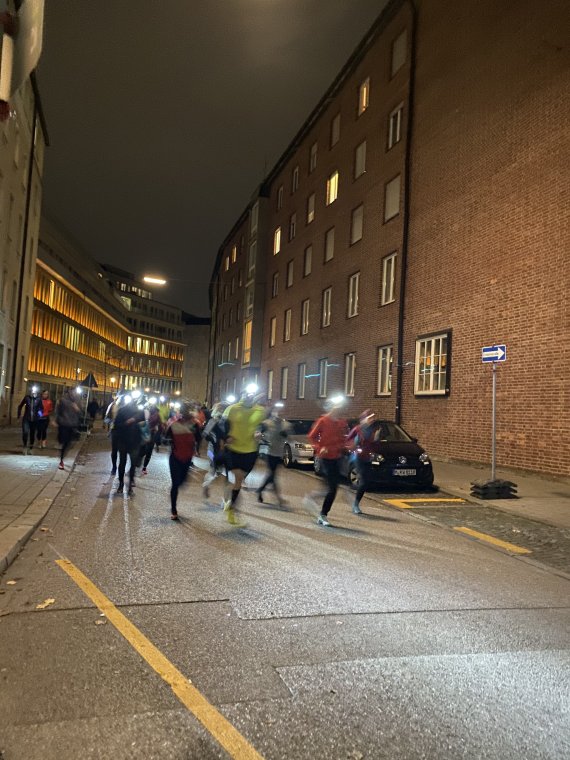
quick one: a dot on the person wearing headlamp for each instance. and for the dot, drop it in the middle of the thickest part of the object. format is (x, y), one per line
(274, 431)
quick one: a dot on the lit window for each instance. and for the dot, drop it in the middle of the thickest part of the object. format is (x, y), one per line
(395, 126)
(280, 197)
(249, 294)
(313, 157)
(284, 382)
(234, 252)
(310, 208)
(392, 199)
(388, 279)
(360, 160)
(356, 224)
(226, 263)
(289, 282)
(399, 51)
(335, 130)
(295, 179)
(384, 387)
(364, 96)
(275, 285)
(307, 261)
(353, 285)
(431, 365)
(326, 311)
(272, 331)
(269, 384)
(292, 226)
(329, 244)
(305, 317)
(287, 326)
(277, 241)
(332, 188)
(301, 372)
(349, 373)
(323, 371)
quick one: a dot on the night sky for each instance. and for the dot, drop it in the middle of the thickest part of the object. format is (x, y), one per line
(164, 115)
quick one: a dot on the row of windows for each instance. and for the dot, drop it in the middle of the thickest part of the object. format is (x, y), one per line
(154, 348)
(430, 377)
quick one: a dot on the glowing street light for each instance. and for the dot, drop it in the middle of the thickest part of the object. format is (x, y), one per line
(151, 280)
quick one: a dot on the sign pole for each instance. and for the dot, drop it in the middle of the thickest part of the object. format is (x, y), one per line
(494, 423)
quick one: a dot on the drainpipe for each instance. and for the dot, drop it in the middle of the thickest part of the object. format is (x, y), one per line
(406, 218)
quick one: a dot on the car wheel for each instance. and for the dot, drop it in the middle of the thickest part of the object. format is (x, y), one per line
(287, 456)
(353, 476)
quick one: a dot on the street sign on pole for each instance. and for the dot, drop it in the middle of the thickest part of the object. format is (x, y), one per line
(494, 353)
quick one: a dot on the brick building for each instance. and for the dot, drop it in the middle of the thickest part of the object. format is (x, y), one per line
(419, 215)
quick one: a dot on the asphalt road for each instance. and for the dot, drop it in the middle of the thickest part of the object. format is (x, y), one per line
(383, 637)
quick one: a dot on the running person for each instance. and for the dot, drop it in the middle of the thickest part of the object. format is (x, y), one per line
(274, 431)
(364, 437)
(215, 433)
(182, 433)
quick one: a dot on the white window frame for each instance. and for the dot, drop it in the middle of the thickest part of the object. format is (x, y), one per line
(311, 208)
(305, 313)
(254, 218)
(329, 244)
(295, 179)
(292, 226)
(332, 188)
(323, 378)
(392, 192)
(284, 382)
(399, 51)
(363, 96)
(275, 285)
(360, 160)
(277, 241)
(269, 384)
(249, 298)
(384, 370)
(313, 151)
(349, 373)
(326, 307)
(279, 197)
(307, 261)
(353, 294)
(387, 294)
(236, 351)
(335, 130)
(301, 372)
(356, 224)
(251, 257)
(395, 125)
(287, 325)
(290, 273)
(430, 379)
(272, 331)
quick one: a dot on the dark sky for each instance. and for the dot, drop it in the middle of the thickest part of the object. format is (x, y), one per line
(164, 115)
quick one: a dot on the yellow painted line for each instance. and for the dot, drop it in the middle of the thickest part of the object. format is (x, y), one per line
(410, 503)
(495, 541)
(213, 721)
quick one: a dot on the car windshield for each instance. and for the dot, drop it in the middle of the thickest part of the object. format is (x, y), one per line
(301, 427)
(392, 433)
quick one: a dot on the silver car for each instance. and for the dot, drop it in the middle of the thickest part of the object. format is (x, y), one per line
(297, 449)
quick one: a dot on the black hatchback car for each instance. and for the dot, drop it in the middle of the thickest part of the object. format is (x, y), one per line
(400, 460)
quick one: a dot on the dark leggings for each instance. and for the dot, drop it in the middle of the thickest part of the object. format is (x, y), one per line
(64, 436)
(146, 453)
(332, 476)
(364, 470)
(273, 463)
(178, 473)
(28, 429)
(41, 428)
(123, 465)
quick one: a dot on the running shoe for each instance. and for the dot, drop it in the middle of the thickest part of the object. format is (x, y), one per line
(233, 519)
(356, 509)
(322, 520)
(61, 466)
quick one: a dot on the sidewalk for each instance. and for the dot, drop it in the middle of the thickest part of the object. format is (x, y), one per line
(29, 485)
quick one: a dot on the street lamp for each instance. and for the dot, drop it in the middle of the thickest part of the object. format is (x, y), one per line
(152, 280)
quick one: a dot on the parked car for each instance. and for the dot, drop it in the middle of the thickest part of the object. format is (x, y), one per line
(296, 448)
(399, 461)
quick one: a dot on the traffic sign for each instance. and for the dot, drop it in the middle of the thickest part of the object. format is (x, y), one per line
(494, 353)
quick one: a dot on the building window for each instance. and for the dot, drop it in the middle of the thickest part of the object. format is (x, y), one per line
(226, 263)
(310, 208)
(329, 244)
(356, 224)
(236, 351)
(249, 293)
(313, 157)
(335, 130)
(234, 250)
(280, 197)
(301, 372)
(384, 386)
(349, 373)
(254, 218)
(277, 241)
(238, 312)
(326, 310)
(395, 126)
(323, 370)
(13, 300)
(230, 317)
(287, 326)
(388, 279)
(305, 317)
(307, 261)
(364, 96)
(332, 188)
(392, 199)
(275, 285)
(251, 260)
(353, 285)
(272, 331)
(233, 286)
(399, 51)
(431, 365)
(269, 384)
(284, 382)
(292, 226)
(360, 160)
(289, 281)
(246, 355)
(240, 278)
(295, 179)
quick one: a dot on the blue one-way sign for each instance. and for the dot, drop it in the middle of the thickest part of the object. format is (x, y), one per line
(494, 353)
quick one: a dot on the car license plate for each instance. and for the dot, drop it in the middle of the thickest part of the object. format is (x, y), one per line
(404, 473)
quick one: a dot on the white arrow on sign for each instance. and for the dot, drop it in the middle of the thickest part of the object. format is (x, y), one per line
(494, 353)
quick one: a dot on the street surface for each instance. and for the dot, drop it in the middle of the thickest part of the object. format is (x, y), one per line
(383, 637)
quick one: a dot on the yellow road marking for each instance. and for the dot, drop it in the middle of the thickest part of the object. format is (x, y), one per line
(409, 503)
(213, 721)
(495, 541)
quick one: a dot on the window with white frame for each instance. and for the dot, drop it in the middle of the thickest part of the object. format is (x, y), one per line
(323, 371)
(353, 286)
(277, 241)
(384, 384)
(269, 384)
(326, 310)
(236, 351)
(360, 159)
(301, 372)
(313, 157)
(272, 331)
(310, 208)
(329, 244)
(223, 359)
(252, 255)
(280, 197)
(431, 365)
(275, 285)
(349, 373)
(284, 382)
(399, 51)
(287, 325)
(292, 226)
(289, 280)
(332, 188)
(305, 317)
(335, 130)
(392, 199)
(295, 179)
(308, 261)
(364, 96)
(356, 224)
(254, 218)
(395, 126)
(388, 279)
